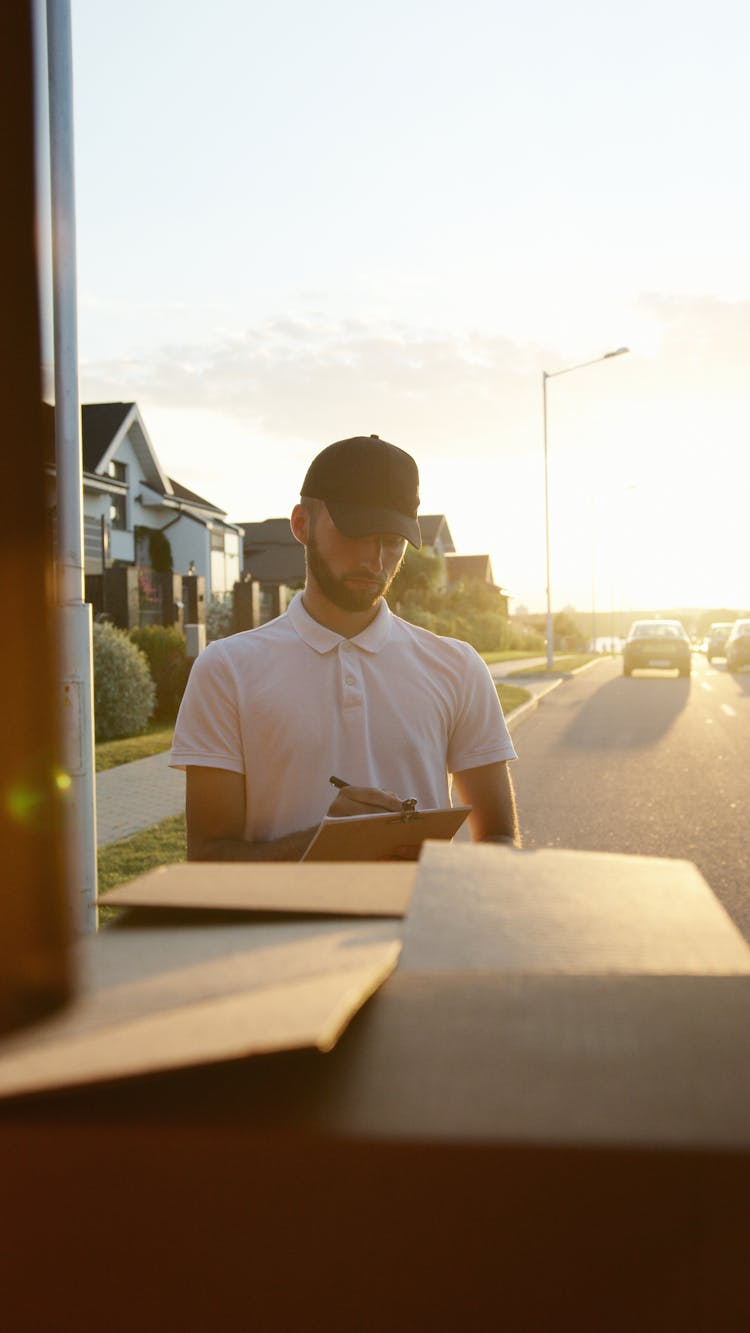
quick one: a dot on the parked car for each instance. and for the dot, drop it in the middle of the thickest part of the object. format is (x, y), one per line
(657, 643)
(718, 634)
(738, 646)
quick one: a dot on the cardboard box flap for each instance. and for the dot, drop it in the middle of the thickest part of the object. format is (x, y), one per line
(481, 907)
(369, 889)
(162, 999)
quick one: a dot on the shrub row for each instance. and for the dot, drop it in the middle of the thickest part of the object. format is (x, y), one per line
(137, 677)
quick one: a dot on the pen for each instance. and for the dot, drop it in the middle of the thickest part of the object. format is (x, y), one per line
(407, 807)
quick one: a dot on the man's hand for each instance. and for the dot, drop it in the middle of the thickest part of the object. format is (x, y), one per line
(363, 801)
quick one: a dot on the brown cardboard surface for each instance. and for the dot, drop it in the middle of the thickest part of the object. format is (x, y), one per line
(493, 908)
(376, 837)
(619, 1060)
(370, 889)
(161, 998)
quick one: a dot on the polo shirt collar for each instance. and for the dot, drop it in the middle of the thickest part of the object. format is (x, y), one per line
(323, 640)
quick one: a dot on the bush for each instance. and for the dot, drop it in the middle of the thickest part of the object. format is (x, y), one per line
(218, 619)
(124, 692)
(164, 648)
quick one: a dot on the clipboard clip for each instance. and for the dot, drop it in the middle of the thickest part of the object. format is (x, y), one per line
(409, 810)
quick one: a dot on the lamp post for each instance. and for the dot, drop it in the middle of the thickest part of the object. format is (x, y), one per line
(550, 375)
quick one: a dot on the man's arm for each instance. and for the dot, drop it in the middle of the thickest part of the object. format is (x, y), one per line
(215, 811)
(489, 791)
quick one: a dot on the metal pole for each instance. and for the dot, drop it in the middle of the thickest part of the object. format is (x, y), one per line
(75, 615)
(550, 630)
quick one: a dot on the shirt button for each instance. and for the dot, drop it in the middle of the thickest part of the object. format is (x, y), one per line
(350, 680)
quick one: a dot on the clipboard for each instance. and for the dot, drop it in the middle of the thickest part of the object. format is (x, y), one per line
(376, 837)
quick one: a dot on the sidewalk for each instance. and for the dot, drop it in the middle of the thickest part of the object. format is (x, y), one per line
(135, 796)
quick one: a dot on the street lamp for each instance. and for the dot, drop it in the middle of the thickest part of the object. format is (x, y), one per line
(550, 375)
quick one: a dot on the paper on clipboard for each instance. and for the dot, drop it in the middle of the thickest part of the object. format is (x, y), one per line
(376, 837)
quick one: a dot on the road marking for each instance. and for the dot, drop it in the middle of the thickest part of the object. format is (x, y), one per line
(705, 686)
(727, 708)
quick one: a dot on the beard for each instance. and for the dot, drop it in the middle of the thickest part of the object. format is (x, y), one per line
(336, 590)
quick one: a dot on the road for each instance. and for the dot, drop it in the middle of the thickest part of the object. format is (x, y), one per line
(649, 764)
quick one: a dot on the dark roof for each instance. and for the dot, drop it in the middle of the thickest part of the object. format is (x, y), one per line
(100, 423)
(433, 526)
(277, 564)
(271, 554)
(182, 493)
(272, 531)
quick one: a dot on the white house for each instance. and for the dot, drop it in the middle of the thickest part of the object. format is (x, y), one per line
(127, 496)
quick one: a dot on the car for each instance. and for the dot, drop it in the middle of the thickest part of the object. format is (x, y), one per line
(657, 643)
(738, 646)
(718, 633)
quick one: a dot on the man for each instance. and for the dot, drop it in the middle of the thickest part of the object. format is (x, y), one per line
(340, 686)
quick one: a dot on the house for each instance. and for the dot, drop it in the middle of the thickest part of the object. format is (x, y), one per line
(471, 569)
(272, 555)
(436, 535)
(128, 499)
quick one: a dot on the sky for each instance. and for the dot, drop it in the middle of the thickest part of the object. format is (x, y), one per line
(303, 221)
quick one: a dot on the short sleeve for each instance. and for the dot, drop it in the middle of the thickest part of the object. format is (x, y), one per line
(480, 734)
(207, 732)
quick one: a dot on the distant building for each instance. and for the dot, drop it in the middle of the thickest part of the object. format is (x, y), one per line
(474, 568)
(271, 555)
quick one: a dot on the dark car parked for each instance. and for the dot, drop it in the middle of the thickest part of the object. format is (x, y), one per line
(663, 644)
(737, 648)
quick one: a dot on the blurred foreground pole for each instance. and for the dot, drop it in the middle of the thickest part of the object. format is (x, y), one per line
(75, 613)
(35, 928)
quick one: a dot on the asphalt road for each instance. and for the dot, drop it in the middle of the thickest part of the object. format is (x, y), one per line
(649, 764)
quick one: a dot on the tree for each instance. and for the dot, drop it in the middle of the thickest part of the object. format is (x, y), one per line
(421, 573)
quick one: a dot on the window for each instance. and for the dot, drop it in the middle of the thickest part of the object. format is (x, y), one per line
(118, 511)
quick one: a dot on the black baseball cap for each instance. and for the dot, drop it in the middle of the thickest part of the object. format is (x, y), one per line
(368, 485)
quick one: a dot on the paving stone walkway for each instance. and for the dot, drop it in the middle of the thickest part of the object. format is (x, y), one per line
(134, 796)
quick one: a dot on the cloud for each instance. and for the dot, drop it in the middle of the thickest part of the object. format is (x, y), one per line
(314, 377)
(308, 377)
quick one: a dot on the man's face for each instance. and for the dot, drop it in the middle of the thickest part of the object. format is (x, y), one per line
(352, 572)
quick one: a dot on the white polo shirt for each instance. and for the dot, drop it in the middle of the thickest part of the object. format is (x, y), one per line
(291, 703)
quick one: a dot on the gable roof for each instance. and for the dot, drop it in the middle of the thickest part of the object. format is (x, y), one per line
(103, 428)
(434, 527)
(100, 423)
(181, 492)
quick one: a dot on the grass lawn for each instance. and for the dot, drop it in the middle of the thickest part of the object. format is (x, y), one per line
(161, 845)
(108, 754)
(562, 662)
(511, 696)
